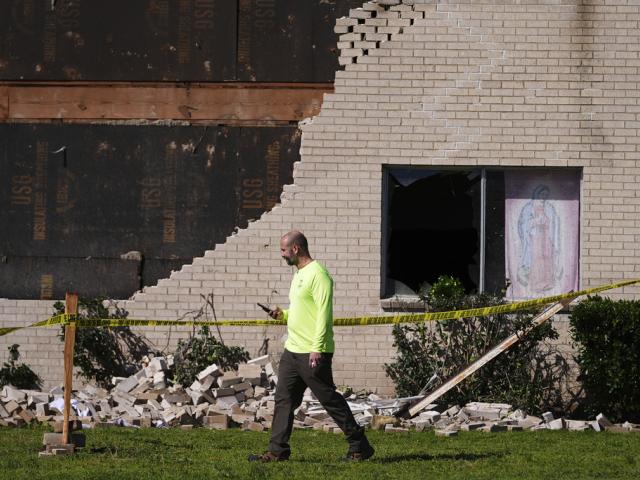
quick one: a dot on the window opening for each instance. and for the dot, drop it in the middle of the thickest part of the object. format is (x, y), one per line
(433, 228)
(493, 229)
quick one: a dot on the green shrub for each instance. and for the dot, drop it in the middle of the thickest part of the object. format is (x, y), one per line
(608, 337)
(102, 353)
(447, 293)
(527, 375)
(17, 374)
(197, 352)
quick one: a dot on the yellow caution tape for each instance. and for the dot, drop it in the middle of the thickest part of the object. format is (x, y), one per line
(68, 319)
(7, 330)
(49, 322)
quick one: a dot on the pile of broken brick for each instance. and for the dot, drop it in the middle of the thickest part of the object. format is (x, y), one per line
(245, 398)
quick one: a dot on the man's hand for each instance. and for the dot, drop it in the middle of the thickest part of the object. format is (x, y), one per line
(314, 359)
(275, 313)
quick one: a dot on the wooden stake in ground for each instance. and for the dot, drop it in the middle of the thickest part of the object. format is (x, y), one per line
(71, 307)
(486, 358)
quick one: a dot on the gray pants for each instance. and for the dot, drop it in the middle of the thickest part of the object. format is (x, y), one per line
(294, 376)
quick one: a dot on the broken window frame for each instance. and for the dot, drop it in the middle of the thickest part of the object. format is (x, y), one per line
(386, 291)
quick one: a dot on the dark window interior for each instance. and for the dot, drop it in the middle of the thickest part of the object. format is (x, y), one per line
(433, 228)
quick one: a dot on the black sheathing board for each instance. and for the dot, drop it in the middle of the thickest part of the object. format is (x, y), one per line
(170, 193)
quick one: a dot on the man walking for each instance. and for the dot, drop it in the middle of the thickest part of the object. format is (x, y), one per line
(308, 353)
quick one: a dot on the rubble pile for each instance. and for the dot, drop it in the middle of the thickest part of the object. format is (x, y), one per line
(245, 398)
(501, 417)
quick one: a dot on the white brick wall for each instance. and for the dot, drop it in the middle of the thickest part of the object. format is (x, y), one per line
(532, 83)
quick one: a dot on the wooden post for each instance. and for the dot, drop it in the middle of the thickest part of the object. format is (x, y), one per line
(487, 357)
(71, 307)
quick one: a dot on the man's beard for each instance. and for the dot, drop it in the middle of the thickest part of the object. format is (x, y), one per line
(290, 260)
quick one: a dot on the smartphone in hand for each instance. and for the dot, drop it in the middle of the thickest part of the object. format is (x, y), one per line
(264, 307)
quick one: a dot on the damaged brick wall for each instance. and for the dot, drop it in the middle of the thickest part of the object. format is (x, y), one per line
(465, 83)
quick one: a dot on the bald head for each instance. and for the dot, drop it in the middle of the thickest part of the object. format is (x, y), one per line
(294, 248)
(294, 237)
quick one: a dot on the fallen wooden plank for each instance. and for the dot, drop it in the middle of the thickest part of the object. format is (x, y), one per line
(225, 103)
(486, 358)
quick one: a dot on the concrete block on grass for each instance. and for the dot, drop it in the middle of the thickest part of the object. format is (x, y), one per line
(216, 422)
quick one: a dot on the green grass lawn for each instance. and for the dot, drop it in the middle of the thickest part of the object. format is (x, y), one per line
(120, 453)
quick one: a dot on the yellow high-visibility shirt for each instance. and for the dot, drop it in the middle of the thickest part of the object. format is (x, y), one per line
(310, 314)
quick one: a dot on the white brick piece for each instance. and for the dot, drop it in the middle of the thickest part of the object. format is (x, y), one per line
(547, 417)
(352, 52)
(159, 380)
(346, 21)
(212, 369)
(557, 424)
(401, 8)
(157, 364)
(363, 46)
(127, 384)
(228, 379)
(9, 393)
(359, 13)
(376, 37)
(373, 7)
(364, 29)
(351, 37)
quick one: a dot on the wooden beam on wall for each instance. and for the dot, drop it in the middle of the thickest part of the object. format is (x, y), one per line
(4, 102)
(211, 102)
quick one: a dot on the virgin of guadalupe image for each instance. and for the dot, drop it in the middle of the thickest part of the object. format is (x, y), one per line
(539, 268)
